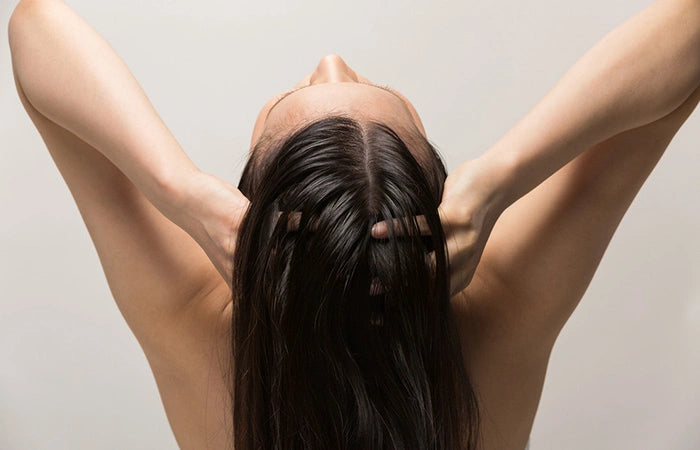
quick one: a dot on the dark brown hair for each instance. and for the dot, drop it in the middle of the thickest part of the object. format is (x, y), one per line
(340, 340)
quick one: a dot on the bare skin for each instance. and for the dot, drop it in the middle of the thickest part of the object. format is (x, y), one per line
(510, 314)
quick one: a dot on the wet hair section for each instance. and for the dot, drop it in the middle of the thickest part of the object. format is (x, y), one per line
(340, 340)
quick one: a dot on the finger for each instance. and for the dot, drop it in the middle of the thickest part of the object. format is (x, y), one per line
(380, 230)
(431, 261)
(376, 287)
(294, 220)
(456, 285)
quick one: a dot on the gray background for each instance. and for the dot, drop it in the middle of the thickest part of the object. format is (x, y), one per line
(624, 372)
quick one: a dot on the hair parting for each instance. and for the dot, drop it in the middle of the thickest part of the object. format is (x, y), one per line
(340, 340)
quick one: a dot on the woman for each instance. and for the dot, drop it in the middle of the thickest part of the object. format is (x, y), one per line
(338, 330)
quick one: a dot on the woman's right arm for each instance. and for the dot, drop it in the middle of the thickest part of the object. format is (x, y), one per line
(639, 72)
(71, 75)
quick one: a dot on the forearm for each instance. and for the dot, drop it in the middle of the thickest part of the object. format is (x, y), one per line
(639, 72)
(71, 75)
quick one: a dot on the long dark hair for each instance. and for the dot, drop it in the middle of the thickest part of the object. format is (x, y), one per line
(341, 340)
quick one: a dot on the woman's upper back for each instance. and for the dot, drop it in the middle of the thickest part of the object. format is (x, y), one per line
(193, 388)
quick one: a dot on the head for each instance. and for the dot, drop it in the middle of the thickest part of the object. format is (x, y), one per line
(341, 340)
(333, 87)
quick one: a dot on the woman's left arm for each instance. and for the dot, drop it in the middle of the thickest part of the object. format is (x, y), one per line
(72, 76)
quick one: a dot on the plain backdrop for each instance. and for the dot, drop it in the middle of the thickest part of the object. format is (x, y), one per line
(625, 372)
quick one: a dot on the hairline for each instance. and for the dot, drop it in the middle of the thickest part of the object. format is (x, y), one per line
(391, 91)
(410, 135)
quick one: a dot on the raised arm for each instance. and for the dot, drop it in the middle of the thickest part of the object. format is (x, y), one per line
(610, 118)
(71, 75)
(74, 78)
(639, 72)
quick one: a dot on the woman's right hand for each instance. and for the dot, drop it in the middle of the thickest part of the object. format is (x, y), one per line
(211, 211)
(471, 204)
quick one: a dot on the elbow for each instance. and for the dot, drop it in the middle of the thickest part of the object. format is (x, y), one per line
(22, 16)
(16, 29)
(13, 24)
(17, 23)
(25, 30)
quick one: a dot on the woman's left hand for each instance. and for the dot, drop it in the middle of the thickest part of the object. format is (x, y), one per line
(471, 204)
(211, 211)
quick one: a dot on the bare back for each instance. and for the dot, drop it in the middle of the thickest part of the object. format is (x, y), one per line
(536, 266)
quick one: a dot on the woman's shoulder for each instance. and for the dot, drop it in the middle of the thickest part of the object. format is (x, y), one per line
(505, 366)
(191, 373)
